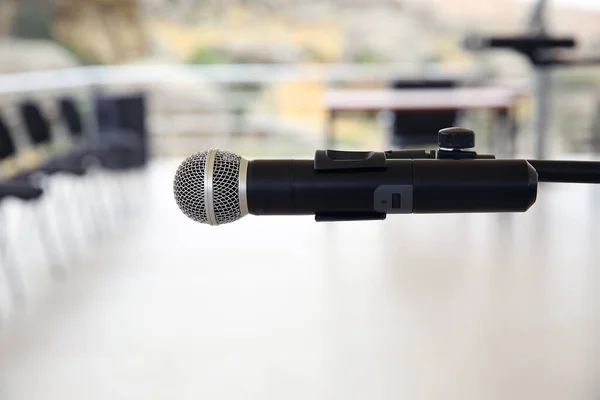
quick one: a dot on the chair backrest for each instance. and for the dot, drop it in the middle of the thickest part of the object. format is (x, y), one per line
(125, 112)
(132, 114)
(7, 144)
(107, 112)
(37, 126)
(71, 115)
(418, 128)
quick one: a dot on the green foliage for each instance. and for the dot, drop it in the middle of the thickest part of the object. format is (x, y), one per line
(207, 55)
(82, 57)
(369, 56)
(313, 55)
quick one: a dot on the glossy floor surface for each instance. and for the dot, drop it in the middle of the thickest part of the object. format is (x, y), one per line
(414, 307)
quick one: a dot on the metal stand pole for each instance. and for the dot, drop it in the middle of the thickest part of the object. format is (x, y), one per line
(542, 81)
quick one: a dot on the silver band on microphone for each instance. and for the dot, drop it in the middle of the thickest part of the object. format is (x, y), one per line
(243, 188)
(208, 186)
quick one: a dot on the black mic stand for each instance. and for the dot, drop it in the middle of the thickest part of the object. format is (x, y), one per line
(453, 178)
(545, 53)
(458, 144)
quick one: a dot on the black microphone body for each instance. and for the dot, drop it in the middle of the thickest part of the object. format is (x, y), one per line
(217, 187)
(297, 187)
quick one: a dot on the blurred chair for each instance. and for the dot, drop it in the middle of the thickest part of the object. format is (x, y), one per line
(10, 187)
(70, 114)
(420, 128)
(118, 146)
(112, 150)
(121, 121)
(57, 160)
(107, 149)
(118, 142)
(19, 190)
(38, 128)
(114, 146)
(122, 117)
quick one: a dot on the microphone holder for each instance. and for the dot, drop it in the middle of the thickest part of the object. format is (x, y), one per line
(447, 183)
(458, 144)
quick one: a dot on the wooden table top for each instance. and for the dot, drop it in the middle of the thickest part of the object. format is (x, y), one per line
(420, 99)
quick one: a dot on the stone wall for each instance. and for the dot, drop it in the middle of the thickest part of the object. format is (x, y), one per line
(120, 31)
(7, 14)
(109, 31)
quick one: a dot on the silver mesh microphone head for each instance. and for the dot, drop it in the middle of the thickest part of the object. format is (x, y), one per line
(210, 187)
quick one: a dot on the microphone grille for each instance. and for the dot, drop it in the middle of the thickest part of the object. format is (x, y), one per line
(188, 187)
(226, 190)
(207, 187)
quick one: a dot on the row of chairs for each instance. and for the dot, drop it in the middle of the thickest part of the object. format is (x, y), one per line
(69, 167)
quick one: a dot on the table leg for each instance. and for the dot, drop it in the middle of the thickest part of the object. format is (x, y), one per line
(512, 132)
(505, 127)
(493, 127)
(542, 82)
(330, 130)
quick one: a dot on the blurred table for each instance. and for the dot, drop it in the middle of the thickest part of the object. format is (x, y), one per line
(496, 99)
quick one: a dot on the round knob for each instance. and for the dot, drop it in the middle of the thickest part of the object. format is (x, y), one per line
(456, 138)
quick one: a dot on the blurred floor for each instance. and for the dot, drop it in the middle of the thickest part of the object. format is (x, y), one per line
(416, 307)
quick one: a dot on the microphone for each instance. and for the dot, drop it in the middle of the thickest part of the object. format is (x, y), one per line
(217, 187)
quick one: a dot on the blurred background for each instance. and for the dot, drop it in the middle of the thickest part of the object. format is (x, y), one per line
(108, 291)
